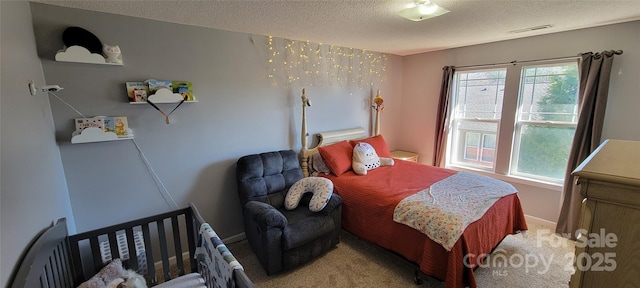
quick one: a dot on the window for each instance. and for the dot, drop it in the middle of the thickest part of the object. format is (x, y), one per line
(514, 124)
(477, 111)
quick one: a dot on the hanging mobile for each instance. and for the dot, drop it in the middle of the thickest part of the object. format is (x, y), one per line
(174, 109)
(166, 117)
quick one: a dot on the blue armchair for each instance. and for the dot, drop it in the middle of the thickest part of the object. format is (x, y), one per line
(283, 239)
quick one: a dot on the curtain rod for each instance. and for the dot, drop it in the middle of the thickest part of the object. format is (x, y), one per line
(514, 62)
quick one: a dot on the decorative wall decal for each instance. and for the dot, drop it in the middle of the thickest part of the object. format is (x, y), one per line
(76, 36)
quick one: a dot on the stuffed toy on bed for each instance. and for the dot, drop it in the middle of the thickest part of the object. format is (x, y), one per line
(365, 158)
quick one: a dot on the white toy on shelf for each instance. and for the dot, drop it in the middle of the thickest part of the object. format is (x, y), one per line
(112, 54)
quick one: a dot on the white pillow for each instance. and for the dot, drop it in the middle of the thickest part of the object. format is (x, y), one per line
(322, 189)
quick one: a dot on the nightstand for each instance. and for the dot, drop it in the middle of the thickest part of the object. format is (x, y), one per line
(405, 155)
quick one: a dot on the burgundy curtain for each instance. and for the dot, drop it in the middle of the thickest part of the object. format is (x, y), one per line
(442, 122)
(594, 71)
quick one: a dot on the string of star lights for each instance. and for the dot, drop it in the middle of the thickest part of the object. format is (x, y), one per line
(307, 63)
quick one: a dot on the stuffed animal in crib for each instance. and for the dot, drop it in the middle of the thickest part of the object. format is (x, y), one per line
(365, 158)
(133, 280)
(113, 275)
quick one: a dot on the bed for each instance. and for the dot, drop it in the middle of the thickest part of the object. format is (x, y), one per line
(370, 203)
(56, 259)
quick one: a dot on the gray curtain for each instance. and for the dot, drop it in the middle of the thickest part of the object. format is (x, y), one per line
(594, 71)
(442, 122)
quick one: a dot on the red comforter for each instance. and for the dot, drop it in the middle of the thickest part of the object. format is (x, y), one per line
(369, 202)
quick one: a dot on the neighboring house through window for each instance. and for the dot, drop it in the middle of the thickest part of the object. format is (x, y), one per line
(517, 120)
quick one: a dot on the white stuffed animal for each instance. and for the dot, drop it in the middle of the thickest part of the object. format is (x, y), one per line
(133, 280)
(365, 158)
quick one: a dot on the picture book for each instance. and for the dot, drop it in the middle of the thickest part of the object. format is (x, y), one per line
(117, 124)
(82, 123)
(154, 85)
(137, 91)
(183, 88)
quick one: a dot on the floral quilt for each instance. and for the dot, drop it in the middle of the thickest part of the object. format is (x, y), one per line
(444, 210)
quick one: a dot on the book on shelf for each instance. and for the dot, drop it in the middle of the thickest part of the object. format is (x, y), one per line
(115, 124)
(184, 89)
(155, 85)
(82, 123)
(137, 91)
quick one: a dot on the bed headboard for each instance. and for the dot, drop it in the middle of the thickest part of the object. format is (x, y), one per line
(328, 138)
(324, 138)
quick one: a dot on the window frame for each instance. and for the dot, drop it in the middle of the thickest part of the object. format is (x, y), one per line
(506, 137)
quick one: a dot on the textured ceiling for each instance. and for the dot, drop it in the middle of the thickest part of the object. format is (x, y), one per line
(374, 24)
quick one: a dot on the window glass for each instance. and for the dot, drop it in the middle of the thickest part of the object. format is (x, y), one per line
(479, 94)
(543, 151)
(488, 147)
(472, 147)
(547, 117)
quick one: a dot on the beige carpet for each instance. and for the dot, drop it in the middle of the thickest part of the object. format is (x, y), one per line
(356, 263)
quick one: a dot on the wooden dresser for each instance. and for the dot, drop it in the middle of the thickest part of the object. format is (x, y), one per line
(609, 254)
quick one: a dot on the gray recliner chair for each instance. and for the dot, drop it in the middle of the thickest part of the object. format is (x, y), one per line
(283, 239)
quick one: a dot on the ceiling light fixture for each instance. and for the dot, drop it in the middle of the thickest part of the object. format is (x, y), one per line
(422, 10)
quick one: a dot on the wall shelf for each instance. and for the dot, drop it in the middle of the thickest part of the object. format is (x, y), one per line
(164, 95)
(168, 102)
(80, 54)
(94, 134)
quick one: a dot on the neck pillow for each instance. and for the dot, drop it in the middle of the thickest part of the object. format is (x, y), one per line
(322, 189)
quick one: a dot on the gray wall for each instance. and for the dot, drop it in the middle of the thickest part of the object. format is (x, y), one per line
(238, 113)
(33, 192)
(423, 74)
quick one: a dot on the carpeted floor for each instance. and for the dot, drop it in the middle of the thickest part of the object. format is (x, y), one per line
(539, 260)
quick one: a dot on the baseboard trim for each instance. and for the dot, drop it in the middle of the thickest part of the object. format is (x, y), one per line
(539, 221)
(172, 261)
(185, 255)
(234, 238)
